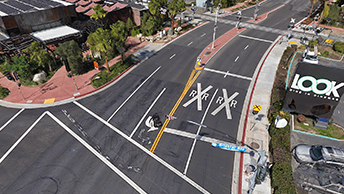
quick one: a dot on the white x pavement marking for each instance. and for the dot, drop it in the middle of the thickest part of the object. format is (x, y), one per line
(225, 104)
(198, 96)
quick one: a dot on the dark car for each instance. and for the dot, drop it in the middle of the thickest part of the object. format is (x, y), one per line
(318, 153)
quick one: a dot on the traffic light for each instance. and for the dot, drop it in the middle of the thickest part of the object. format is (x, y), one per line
(9, 76)
(15, 74)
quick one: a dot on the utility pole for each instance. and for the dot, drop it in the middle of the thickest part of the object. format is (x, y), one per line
(217, 13)
(262, 169)
(237, 26)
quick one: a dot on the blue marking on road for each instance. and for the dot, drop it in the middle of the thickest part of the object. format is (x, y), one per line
(229, 147)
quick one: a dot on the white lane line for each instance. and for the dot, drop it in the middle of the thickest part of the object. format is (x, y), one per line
(151, 106)
(20, 139)
(158, 159)
(246, 47)
(199, 129)
(203, 34)
(236, 59)
(190, 43)
(12, 118)
(226, 73)
(172, 56)
(102, 158)
(253, 38)
(113, 114)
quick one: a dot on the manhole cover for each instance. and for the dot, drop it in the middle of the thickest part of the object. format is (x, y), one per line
(207, 53)
(255, 145)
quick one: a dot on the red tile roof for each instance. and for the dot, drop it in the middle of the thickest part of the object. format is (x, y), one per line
(90, 12)
(84, 2)
(121, 5)
(72, 1)
(109, 9)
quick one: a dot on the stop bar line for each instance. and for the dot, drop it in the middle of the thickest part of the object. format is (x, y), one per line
(227, 73)
(259, 39)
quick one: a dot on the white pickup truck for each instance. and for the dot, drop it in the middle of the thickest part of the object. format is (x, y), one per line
(310, 56)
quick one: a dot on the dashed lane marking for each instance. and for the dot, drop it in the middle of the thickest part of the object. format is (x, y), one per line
(151, 106)
(113, 114)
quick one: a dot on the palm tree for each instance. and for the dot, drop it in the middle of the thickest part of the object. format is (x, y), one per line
(101, 41)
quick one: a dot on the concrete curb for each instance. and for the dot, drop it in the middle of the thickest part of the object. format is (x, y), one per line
(246, 113)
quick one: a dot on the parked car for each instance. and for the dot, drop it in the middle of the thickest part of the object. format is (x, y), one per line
(310, 57)
(318, 153)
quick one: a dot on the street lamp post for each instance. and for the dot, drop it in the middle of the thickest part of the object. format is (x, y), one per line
(217, 13)
(256, 10)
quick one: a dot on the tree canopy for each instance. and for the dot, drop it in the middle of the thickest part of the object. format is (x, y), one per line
(21, 65)
(99, 14)
(39, 56)
(174, 8)
(155, 5)
(120, 33)
(101, 41)
(71, 51)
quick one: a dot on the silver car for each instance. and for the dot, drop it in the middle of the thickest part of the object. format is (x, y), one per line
(318, 153)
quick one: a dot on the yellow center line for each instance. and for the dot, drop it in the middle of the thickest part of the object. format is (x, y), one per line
(188, 85)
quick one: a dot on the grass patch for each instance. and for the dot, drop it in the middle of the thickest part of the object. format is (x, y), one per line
(104, 77)
(332, 130)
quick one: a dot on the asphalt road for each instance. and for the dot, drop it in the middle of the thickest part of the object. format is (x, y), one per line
(100, 144)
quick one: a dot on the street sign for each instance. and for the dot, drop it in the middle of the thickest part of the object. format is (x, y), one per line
(229, 147)
(257, 107)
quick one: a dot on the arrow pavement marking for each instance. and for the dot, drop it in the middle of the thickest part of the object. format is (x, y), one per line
(225, 104)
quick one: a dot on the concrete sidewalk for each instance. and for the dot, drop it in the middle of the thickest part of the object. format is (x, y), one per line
(59, 89)
(254, 127)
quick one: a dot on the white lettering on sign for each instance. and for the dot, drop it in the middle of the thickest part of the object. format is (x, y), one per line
(200, 95)
(331, 87)
(226, 104)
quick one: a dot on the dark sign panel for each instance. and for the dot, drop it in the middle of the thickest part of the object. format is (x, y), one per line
(315, 90)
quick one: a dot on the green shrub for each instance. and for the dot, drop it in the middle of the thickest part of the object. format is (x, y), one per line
(278, 104)
(104, 77)
(135, 32)
(339, 47)
(313, 43)
(325, 54)
(4, 92)
(282, 179)
(281, 173)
